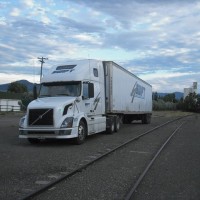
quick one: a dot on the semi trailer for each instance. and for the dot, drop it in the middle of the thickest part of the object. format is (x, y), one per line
(80, 98)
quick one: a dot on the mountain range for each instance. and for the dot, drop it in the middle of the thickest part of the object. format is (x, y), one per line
(29, 85)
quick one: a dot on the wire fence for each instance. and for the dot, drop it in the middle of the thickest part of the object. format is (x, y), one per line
(10, 105)
(10, 108)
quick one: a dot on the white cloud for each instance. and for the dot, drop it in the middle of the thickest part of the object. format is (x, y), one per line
(7, 46)
(88, 38)
(51, 2)
(15, 12)
(45, 19)
(3, 21)
(165, 74)
(15, 77)
(161, 22)
(28, 3)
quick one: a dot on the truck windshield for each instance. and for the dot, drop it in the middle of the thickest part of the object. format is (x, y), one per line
(72, 88)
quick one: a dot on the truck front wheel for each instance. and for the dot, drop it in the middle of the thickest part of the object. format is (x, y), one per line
(81, 133)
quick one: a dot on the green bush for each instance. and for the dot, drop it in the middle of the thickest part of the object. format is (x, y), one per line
(162, 105)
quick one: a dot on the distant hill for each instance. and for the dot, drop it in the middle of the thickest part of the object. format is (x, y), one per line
(29, 85)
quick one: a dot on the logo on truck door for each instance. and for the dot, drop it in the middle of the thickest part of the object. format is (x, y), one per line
(96, 101)
(137, 91)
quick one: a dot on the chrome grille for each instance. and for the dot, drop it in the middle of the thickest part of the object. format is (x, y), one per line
(41, 117)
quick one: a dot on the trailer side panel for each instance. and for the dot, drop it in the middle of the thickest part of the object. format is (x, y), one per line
(125, 92)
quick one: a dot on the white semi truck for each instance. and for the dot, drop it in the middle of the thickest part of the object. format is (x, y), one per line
(81, 98)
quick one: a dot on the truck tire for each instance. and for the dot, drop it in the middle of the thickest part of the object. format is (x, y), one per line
(111, 126)
(33, 140)
(117, 124)
(146, 119)
(81, 133)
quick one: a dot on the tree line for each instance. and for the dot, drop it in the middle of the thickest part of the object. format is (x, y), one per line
(21, 92)
(191, 102)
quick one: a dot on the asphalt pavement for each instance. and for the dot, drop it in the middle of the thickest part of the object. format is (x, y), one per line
(176, 173)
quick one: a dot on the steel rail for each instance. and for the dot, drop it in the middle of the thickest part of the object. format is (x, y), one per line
(129, 196)
(79, 169)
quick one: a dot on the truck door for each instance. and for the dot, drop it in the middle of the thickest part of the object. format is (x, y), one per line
(88, 99)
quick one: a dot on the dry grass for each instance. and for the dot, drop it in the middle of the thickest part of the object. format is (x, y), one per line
(170, 113)
(11, 114)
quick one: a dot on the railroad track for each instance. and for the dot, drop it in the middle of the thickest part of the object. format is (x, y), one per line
(130, 194)
(100, 157)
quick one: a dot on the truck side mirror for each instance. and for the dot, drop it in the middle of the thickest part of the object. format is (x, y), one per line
(35, 91)
(91, 90)
(78, 99)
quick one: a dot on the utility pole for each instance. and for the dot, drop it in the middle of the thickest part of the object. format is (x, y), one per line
(42, 61)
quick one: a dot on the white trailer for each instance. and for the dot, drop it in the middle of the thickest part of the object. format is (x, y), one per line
(127, 95)
(81, 98)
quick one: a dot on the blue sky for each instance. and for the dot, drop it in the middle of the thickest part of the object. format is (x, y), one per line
(157, 40)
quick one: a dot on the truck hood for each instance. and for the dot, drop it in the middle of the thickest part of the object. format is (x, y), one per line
(51, 102)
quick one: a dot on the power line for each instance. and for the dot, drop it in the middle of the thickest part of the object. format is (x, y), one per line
(42, 61)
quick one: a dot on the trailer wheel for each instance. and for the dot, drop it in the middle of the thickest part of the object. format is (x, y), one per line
(117, 124)
(34, 140)
(146, 119)
(81, 133)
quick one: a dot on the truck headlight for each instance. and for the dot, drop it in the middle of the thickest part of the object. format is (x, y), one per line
(67, 123)
(21, 122)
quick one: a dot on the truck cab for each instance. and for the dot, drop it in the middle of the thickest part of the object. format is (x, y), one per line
(70, 104)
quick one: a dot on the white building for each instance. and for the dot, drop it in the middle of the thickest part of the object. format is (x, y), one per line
(193, 89)
(10, 105)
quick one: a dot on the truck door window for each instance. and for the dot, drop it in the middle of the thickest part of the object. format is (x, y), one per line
(95, 72)
(85, 91)
(88, 90)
